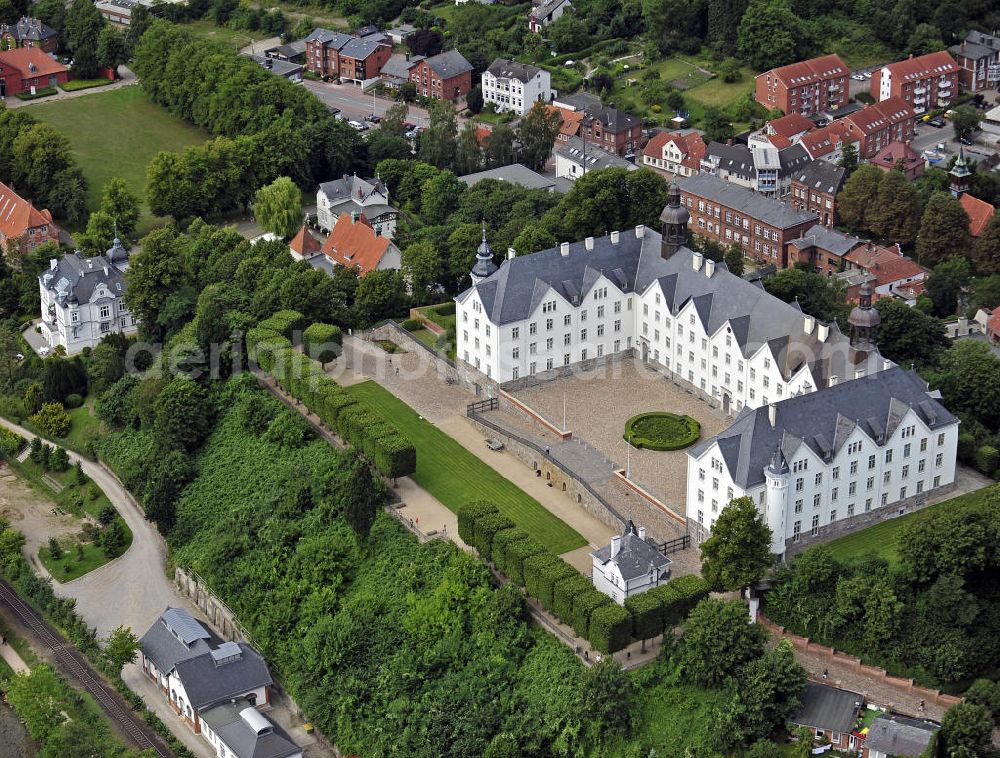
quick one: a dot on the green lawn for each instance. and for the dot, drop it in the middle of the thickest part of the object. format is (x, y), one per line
(85, 426)
(117, 133)
(235, 38)
(73, 565)
(882, 539)
(455, 476)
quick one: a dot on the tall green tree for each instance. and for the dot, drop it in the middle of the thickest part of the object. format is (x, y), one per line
(948, 284)
(380, 294)
(738, 553)
(112, 49)
(964, 121)
(723, 24)
(498, 147)
(606, 696)
(160, 268)
(966, 730)
(437, 142)
(967, 380)
(422, 266)
(848, 159)
(84, 24)
(121, 647)
(719, 641)
(770, 34)
(183, 414)
(986, 250)
(394, 118)
(100, 233)
(468, 153)
(717, 125)
(537, 135)
(671, 22)
(944, 230)
(907, 334)
(278, 207)
(121, 205)
(895, 214)
(859, 195)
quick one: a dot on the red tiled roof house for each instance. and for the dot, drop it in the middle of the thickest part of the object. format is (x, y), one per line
(925, 82)
(27, 67)
(22, 226)
(673, 153)
(353, 242)
(877, 126)
(812, 86)
(979, 212)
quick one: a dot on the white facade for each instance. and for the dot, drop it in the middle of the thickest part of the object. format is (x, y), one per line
(516, 91)
(863, 475)
(82, 301)
(354, 194)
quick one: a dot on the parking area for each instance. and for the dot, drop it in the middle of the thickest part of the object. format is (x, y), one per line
(597, 406)
(35, 339)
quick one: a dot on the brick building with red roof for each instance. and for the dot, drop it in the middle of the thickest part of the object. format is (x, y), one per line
(979, 211)
(812, 86)
(25, 67)
(674, 153)
(886, 269)
(901, 155)
(22, 226)
(924, 82)
(877, 126)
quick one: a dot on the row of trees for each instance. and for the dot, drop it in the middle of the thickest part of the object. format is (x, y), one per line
(38, 162)
(565, 593)
(932, 615)
(265, 126)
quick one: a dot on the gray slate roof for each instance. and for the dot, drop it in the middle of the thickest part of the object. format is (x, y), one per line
(977, 45)
(515, 173)
(328, 38)
(207, 682)
(820, 175)
(827, 239)
(506, 69)
(448, 64)
(612, 119)
(828, 708)
(823, 421)
(187, 640)
(246, 739)
(277, 66)
(28, 29)
(541, 12)
(900, 736)
(352, 188)
(291, 49)
(596, 158)
(362, 47)
(757, 206)
(398, 67)
(735, 159)
(75, 278)
(741, 160)
(636, 557)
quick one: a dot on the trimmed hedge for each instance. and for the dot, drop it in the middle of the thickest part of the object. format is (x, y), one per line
(284, 322)
(679, 596)
(486, 526)
(322, 342)
(546, 581)
(647, 614)
(517, 554)
(564, 594)
(686, 434)
(584, 606)
(987, 459)
(610, 628)
(412, 324)
(502, 541)
(536, 569)
(467, 516)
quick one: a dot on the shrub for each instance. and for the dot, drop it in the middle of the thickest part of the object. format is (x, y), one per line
(288, 429)
(55, 549)
(467, 516)
(73, 400)
(322, 342)
(445, 309)
(59, 459)
(679, 596)
(987, 459)
(662, 431)
(283, 322)
(584, 606)
(502, 541)
(517, 554)
(610, 628)
(967, 447)
(10, 443)
(564, 594)
(117, 404)
(545, 583)
(107, 515)
(412, 324)
(646, 610)
(52, 420)
(486, 526)
(534, 569)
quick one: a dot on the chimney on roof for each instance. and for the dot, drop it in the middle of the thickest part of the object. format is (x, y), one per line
(640, 231)
(589, 243)
(696, 261)
(642, 533)
(810, 324)
(354, 217)
(823, 332)
(772, 414)
(52, 264)
(616, 545)
(564, 249)
(834, 380)
(614, 238)
(709, 268)
(511, 253)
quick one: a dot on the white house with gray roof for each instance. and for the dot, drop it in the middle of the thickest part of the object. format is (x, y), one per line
(576, 158)
(895, 736)
(82, 299)
(217, 687)
(820, 463)
(629, 565)
(637, 290)
(348, 194)
(515, 87)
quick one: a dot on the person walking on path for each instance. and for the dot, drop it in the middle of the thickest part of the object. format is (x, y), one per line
(546, 451)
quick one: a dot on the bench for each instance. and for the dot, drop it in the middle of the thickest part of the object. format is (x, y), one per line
(495, 445)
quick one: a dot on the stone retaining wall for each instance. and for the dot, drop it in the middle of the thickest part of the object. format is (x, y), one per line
(647, 498)
(511, 404)
(879, 675)
(218, 613)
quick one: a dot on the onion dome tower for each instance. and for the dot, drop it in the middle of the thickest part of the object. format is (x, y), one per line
(675, 219)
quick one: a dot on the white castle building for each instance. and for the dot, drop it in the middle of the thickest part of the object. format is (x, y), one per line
(639, 290)
(821, 463)
(82, 299)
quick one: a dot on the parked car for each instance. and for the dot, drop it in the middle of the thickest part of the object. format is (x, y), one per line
(373, 119)
(858, 77)
(867, 75)
(44, 350)
(360, 126)
(966, 141)
(937, 122)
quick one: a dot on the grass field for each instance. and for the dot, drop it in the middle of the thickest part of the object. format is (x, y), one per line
(455, 476)
(235, 38)
(117, 133)
(883, 538)
(73, 565)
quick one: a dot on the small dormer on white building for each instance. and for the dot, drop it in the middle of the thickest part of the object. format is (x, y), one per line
(629, 565)
(83, 299)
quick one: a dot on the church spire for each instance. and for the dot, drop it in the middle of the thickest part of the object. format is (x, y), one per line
(484, 266)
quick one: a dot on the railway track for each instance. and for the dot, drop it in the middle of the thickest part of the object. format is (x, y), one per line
(72, 662)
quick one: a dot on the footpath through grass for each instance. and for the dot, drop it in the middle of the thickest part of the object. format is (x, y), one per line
(883, 538)
(455, 476)
(117, 133)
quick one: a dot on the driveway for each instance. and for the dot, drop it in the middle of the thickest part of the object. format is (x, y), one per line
(127, 78)
(356, 104)
(33, 338)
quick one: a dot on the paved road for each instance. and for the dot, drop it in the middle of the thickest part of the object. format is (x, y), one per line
(127, 78)
(132, 589)
(356, 104)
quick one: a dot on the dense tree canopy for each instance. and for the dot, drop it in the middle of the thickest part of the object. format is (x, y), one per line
(738, 552)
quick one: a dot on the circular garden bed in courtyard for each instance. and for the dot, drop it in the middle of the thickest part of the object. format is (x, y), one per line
(662, 431)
